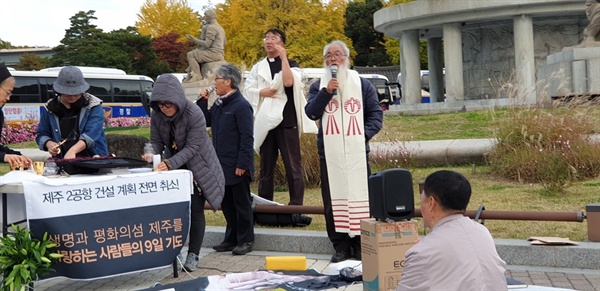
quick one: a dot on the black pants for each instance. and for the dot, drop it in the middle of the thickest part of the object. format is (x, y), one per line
(287, 141)
(197, 222)
(237, 209)
(341, 240)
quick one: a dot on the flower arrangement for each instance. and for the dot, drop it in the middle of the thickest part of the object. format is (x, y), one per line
(16, 132)
(23, 258)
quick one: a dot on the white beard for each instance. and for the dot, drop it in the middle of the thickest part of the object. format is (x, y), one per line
(342, 73)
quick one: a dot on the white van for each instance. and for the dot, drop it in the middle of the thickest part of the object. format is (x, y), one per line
(90, 70)
(388, 92)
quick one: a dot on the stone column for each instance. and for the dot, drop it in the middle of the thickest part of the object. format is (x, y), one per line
(410, 67)
(455, 90)
(436, 74)
(524, 59)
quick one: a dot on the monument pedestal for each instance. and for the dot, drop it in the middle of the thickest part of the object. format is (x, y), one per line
(192, 89)
(575, 72)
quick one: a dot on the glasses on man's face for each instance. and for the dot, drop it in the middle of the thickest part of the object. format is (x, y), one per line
(337, 55)
(8, 93)
(271, 39)
(165, 104)
(219, 78)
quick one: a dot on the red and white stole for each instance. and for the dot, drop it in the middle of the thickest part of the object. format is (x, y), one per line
(344, 142)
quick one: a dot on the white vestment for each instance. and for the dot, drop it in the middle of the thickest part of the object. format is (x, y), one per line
(345, 154)
(260, 77)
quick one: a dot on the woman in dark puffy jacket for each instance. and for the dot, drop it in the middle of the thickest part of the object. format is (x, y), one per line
(178, 131)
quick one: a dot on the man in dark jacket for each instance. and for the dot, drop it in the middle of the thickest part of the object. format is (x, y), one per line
(350, 115)
(178, 130)
(232, 133)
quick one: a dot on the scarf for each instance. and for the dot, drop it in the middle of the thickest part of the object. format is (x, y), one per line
(269, 113)
(345, 154)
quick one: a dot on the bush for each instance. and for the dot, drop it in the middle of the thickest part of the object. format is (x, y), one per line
(126, 146)
(547, 146)
(310, 165)
(394, 154)
(16, 132)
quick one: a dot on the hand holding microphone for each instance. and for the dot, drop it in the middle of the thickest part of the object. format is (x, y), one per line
(206, 93)
(333, 83)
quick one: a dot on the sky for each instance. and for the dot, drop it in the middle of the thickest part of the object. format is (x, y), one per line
(42, 23)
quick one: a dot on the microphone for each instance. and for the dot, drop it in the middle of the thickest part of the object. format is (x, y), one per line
(210, 90)
(334, 70)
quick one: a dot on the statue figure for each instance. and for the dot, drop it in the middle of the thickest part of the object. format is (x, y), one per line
(591, 34)
(210, 46)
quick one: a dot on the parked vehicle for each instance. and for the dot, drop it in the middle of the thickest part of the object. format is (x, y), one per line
(388, 92)
(122, 95)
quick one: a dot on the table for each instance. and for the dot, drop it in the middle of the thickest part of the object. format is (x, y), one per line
(105, 224)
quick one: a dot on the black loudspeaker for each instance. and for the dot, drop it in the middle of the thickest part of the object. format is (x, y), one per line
(391, 195)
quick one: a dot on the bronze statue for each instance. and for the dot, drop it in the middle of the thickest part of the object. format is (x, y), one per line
(210, 46)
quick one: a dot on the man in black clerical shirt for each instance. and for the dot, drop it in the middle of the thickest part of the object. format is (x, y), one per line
(281, 136)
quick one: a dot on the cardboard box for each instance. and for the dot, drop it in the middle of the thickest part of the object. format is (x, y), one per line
(383, 247)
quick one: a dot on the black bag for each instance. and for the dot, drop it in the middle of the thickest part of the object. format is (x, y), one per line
(282, 219)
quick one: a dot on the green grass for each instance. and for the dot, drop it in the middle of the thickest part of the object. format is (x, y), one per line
(494, 194)
(475, 124)
(488, 190)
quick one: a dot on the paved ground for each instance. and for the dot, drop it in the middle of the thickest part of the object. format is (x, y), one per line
(219, 263)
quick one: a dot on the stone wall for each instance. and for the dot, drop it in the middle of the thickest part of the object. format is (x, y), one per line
(488, 51)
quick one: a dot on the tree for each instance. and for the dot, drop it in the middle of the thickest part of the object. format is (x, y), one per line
(308, 24)
(368, 43)
(31, 62)
(171, 51)
(161, 17)
(125, 49)
(81, 40)
(5, 44)
(393, 45)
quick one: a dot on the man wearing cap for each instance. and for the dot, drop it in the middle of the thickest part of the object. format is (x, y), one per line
(14, 158)
(72, 124)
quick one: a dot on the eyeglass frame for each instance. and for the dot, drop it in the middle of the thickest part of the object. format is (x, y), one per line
(166, 104)
(336, 55)
(9, 93)
(272, 38)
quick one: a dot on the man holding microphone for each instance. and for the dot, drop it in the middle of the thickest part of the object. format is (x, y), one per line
(350, 116)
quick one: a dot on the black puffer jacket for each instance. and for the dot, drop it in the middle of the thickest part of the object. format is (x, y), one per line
(195, 149)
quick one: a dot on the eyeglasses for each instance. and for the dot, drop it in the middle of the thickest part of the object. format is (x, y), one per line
(336, 55)
(9, 93)
(165, 104)
(272, 38)
(219, 78)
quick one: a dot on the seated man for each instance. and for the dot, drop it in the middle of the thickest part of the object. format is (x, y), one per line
(459, 253)
(211, 46)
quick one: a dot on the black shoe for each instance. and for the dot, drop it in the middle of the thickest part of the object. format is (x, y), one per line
(224, 247)
(242, 248)
(340, 256)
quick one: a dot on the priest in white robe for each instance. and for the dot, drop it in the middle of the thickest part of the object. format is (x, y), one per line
(350, 115)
